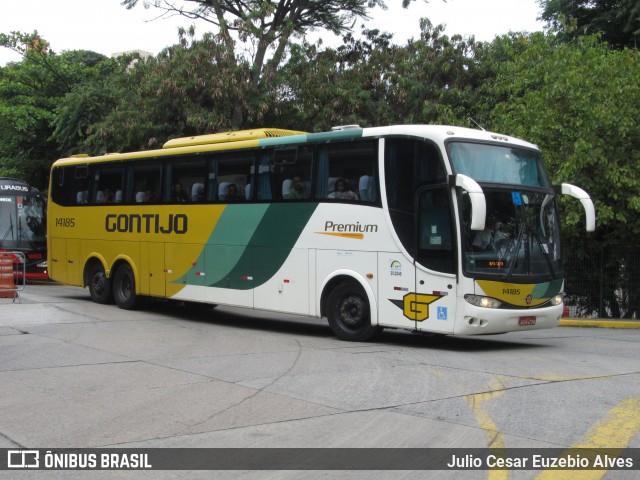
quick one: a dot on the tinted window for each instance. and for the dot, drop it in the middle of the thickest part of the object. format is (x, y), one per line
(185, 180)
(231, 177)
(108, 184)
(145, 182)
(347, 172)
(292, 173)
(409, 165)
(498, 164)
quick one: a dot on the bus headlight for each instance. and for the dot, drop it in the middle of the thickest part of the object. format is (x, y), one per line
(484, 302)
(42, 265)
(557, 300)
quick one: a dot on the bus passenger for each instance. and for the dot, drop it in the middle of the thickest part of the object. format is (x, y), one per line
(178, 195)
(342, 192)
(298, 189)
(232, 193)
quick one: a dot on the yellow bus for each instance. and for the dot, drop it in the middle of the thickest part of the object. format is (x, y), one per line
(426, 228)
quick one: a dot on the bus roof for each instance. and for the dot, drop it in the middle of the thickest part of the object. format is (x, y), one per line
(265, 137)
(226, 137)
(442, 133)
(11, 185)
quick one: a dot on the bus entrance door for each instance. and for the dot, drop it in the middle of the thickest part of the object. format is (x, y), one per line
(435, 297)
(412, 297)
(433, 305)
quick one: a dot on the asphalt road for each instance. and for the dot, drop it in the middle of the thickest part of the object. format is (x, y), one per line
(77, 374)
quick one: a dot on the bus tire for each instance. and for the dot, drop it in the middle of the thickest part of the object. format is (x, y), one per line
(99, 284)
(349, 313)
(124, 288)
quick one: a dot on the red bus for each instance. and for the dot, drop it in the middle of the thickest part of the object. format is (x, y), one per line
(23, 224)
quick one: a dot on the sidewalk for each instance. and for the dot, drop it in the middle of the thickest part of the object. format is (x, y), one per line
(599, 323)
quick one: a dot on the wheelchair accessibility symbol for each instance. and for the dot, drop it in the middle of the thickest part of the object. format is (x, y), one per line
(442, 313)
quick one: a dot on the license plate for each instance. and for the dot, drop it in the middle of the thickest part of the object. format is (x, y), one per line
(527, 321)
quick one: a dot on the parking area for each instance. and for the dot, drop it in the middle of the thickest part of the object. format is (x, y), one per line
(78, 374)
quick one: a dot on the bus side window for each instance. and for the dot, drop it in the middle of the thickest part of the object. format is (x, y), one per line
(81, 185)
(185, 180)
(292, 173)
(61, 186)
(145, 182)
(347, 171)
(233, 168)
(107, 180)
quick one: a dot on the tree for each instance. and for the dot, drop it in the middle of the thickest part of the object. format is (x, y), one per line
(29, 93)
(371, 81)
(348, 85)
(190, 88)
(618, 21)
(77, 112)
(437, 78)
(268, 25)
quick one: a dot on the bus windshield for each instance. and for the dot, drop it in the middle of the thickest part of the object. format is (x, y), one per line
(522, 233)
(498, 164)
(22, 221)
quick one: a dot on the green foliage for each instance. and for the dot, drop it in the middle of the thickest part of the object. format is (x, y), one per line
(190, 88)
(267, 26)
(83, 106)
(319, 89)
(29, 94)
(371, 81)
(618, 21)
(437, 78)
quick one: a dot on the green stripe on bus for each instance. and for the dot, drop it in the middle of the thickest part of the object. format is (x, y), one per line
(227, 242)
(547, 290)
(270, 142)
(269, 247)
(335, 135)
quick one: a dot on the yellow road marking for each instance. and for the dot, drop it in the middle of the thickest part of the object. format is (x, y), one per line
(614, 431)
(495, 439)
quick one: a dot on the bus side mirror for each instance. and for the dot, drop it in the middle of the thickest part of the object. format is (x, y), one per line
(585, 199)
(478, 202)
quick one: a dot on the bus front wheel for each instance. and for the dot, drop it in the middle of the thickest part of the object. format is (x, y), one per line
(124, 288)
(349, 313)
(99, 285)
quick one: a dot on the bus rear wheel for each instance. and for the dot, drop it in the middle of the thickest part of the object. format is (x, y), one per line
(124, 288)
(99, 285)
(349, 313)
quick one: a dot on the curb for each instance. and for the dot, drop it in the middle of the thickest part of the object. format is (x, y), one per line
(600, 323)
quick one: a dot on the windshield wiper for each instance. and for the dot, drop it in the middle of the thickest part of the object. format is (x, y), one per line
(545, 253)
(515, 246)
(9, 231)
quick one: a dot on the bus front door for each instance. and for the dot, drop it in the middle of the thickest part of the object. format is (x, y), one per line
(434, 303)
